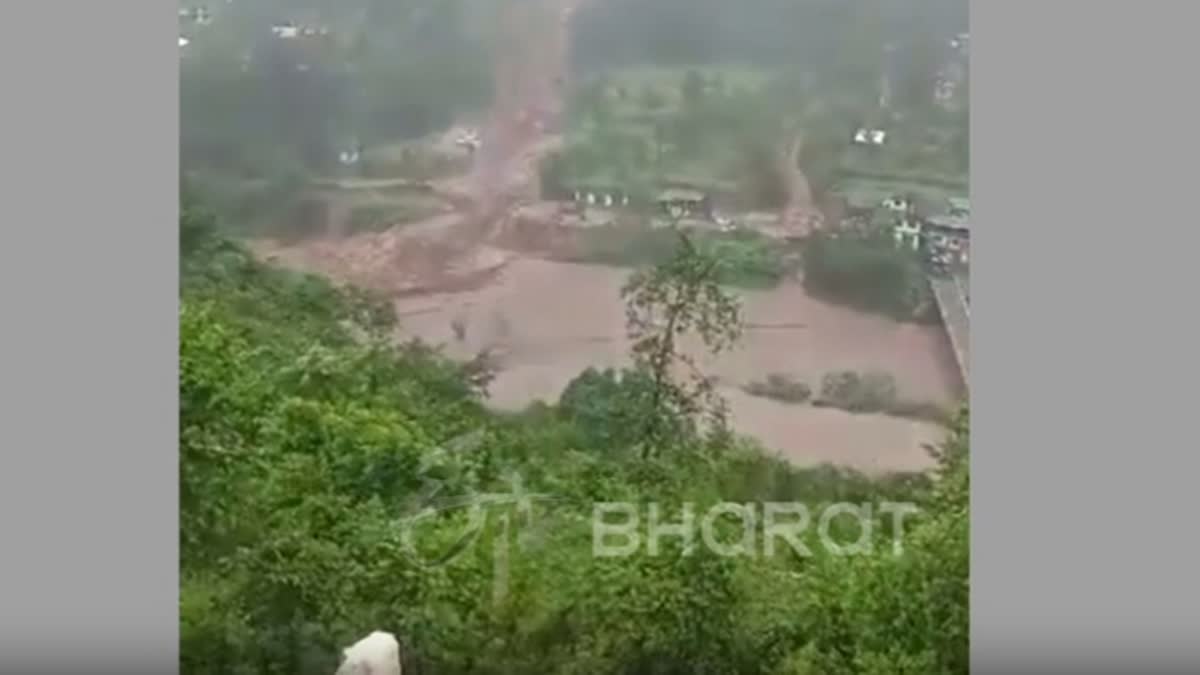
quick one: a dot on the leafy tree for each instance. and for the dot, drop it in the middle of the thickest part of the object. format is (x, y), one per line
(609, 408)
(680, 295)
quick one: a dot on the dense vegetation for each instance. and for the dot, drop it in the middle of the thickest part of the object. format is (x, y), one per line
(306, 434)
(743, 259)
(867, 271)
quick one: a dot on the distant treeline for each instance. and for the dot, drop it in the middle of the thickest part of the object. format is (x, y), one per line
(812, 33)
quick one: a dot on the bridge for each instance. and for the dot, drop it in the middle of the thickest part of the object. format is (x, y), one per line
(951, 293)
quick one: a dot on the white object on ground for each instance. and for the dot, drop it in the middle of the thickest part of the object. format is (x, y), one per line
(376, 654)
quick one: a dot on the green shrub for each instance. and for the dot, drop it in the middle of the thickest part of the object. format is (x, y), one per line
(868, 272)
(780, 387)
(744, 259)
(864, 393)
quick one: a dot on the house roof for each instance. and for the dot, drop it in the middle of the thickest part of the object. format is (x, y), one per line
(949, 223)
(598, 186)
(676, 194)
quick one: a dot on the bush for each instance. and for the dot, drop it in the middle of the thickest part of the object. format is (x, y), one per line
(862, 393)
(867, 272)
(609, 407)
(780, 387)
(745, 260)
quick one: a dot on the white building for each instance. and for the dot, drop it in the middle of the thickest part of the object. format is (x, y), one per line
(285, 31)
(870, 136)
(908, 233)
(897, 204)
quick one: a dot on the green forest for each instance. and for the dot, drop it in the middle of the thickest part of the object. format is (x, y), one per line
(307, 434)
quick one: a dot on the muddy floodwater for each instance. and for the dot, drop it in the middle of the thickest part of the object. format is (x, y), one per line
(552, 320)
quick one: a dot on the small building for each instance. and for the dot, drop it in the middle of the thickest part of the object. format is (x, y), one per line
(604, 197)
(183, 42)
(897, 204)
(350, 155)
(941, 231)
(874, 137)
(948, 239)
(681, 203)
(907, 231)
(285, 31)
